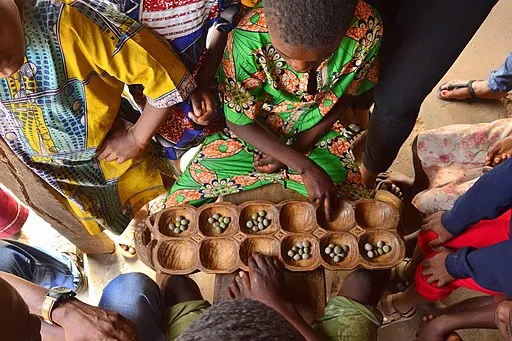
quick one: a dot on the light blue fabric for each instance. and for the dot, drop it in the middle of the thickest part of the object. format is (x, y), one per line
(500, 80)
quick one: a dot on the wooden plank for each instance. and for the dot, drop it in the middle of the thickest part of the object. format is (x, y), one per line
(44, 200)
(306, 291)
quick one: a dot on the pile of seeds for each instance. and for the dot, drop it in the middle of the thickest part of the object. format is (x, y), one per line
(376, 250)
(259, 221)
(336, 252)
(219, 223)
(301, 250)
(180, 225)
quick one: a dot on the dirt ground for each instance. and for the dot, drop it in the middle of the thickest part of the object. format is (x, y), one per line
(486, 51)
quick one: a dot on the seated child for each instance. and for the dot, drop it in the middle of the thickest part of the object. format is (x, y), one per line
(467, 246)
(289, 71)
(185, 25)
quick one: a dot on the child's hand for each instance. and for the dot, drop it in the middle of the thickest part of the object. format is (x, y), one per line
(203, 106)
(435, 268)
(266, 164)
(321, 189)
(499, 152)
(120, 144)
(434, 223)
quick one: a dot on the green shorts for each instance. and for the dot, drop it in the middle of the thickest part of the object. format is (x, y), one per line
(348, 320)
(344, 319)
(180, 316)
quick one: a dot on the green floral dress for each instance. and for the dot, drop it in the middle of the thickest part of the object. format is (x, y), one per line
(258, 85)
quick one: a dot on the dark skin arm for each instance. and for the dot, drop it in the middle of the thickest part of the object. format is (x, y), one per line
(206, 74)
(320, 187)
(79, 321)
(481, 317)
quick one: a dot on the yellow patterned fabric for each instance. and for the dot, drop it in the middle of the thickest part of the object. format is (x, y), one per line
(58, 108)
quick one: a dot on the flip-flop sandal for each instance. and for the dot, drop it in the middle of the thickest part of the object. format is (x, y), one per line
(127, 238)
(388, 185)
(468, 85)
(398, 275)
(392, 315)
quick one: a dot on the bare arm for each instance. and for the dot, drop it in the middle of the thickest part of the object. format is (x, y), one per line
(206, 74)
(78, 320)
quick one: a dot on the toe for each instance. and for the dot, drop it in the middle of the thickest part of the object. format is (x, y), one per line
(234, 288)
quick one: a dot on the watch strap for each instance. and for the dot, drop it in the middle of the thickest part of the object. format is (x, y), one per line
(47, 307)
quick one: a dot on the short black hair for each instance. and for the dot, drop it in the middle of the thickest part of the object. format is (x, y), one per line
(310, 23)
(240, 319)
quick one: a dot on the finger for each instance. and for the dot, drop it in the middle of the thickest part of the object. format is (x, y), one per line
(209, 102)
(426, 264)
(435, 243)
(497, 160)
(122, 159)
(328, 207)
(427, 272)
(104, 154)
(111, 157)
(440, 284)
(431, 279)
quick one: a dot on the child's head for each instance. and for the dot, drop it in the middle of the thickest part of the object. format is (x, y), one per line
(12, 46)
(307, 32)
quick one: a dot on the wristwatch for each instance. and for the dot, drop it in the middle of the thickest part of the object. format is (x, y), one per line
(56, 294)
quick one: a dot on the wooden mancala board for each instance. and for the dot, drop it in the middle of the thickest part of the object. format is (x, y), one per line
(201, 248)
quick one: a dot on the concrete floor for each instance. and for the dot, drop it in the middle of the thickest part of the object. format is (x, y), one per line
(486, 51)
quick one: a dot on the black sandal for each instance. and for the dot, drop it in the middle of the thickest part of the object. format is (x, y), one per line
(450, 87)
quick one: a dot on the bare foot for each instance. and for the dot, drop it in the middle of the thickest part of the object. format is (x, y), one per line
(263, 283)
(504, 321)
(397, 183)
(481, 89)
(499, 152)
(429, 331)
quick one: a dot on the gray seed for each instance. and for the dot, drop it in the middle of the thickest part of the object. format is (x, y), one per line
(262, 213)
(345, 248)
(183, 228)
(255, 229)
(216, 216)
(297, 257)
(291, 254)
(261, 226)
(254, 216)
(342, 255)
(300, 252)
(176, 230)
(386, 248)
(180, 218)
(306, 243)
(260, 219)
(380, 251)
(332, 255)
(223, 226)
(217, 230)
(337, 259)
(380, 244)
(266, 222)
(328, 250)
(370, 254)
(211, 220)
(227, 220)
(184, 222)
(216, 224)
(295, 248)
(178, 223)
(331, 246)
(306, 256)
(299, 245)
(368, 247)
(338, 249)
(307, 250)
(249, 224)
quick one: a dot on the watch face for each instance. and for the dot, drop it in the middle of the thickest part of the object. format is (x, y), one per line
(59, 291)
